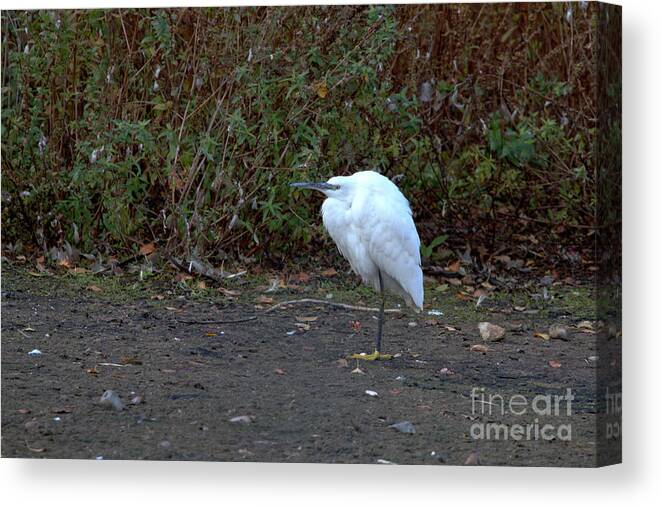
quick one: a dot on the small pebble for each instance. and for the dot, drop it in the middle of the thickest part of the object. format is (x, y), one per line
(242, 419)
(111, 399)
(31, 425)
(557, 332)
(491, 332)
(404, 427)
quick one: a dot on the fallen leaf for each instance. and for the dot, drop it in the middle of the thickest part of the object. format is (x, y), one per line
(302, 325)
(201, 284)
(182, 277)
(454, 267)
(65, 263)
(209, 333)
(322, 89)
(147, 248)
(480, 293)
(228, 292)
(450, 328)
(543, 336)
(505, 259)
(158, 297)
(24, 411)
(264, 300)
(280, 371)
(491, 332)
(92, 371)
(94, 288)
(328, 272)
(342, 363)
(586, 326)
(355, 325)
(301, 277)
(555, 364)
(479, 348)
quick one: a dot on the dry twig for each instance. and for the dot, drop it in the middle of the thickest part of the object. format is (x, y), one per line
(330, 303)
(203, 322)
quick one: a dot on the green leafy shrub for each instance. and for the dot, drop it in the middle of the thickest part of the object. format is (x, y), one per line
(186, 126)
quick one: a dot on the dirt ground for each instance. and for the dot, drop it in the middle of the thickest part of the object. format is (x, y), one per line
(284, 374)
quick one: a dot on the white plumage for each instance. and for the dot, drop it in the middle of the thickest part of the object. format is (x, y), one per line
(371, 222)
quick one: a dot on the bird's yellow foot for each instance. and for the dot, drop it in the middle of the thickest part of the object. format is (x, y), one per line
(374, 356)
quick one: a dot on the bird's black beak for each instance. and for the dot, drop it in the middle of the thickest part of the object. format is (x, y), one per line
(321, 186)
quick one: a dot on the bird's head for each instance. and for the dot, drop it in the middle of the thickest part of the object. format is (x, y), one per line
(334, 187)
(345, 188)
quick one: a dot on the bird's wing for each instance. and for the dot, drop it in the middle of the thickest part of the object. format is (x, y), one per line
(341, 226)
(386, 226)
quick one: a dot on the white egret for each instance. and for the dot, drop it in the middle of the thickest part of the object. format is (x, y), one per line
(371, 223)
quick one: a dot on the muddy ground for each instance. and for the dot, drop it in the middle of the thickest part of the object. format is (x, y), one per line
(302, 401)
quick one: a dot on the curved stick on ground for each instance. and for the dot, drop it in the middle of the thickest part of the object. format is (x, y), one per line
(329, 303)
(237, 321)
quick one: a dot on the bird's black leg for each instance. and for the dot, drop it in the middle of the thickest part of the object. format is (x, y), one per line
(379, 331)
(377, 356)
